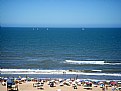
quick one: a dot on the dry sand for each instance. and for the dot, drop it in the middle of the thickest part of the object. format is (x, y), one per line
(28, 86)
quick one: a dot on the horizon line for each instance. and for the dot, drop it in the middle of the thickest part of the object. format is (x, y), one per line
(50, 27)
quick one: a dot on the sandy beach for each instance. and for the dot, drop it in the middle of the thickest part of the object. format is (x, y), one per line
(28, 86)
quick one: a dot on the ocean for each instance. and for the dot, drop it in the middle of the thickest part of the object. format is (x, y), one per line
(91, 50)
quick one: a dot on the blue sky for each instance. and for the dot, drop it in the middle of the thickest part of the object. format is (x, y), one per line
(61, 13)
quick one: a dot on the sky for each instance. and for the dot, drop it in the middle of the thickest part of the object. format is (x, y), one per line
(60, 13)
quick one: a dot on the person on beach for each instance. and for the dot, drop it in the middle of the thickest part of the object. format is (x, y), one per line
(103, 89)
(106, 87)
(113, 88)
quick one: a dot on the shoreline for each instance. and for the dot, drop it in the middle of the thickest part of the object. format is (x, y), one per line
(37, 71)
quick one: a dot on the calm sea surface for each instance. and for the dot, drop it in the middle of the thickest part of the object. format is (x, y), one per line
(42, 48)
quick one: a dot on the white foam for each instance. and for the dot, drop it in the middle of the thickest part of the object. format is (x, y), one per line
(113, 63)
(34, 71)
(30, 71)
(97, 70)
(101, 74)
(84, 62)
(90, 62)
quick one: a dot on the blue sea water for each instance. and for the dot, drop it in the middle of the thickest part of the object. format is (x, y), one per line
(42, 48)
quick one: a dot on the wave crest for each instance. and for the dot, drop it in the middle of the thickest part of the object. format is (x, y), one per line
(84, 62)
(91, 62)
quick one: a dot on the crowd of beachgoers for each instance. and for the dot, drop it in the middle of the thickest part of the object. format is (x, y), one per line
(58, 84)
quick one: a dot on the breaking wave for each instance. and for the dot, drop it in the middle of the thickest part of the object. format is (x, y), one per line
(37, 71)
(90, 62)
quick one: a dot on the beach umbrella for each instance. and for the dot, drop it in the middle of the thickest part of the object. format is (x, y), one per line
(88, 82)
(60, 80)
(28, 79)
(79, 83)
(119, 82)
(81, 80)
(32, 79)
(5, 78)
(78, 80)
(2, 78)
(15, 78)
(108, 81)
(67, 80)
(73, 83)
(101, 83)
(9, 81)
(23, 79)
(113, 83)
(52, 81)
(70, 81)
(67, 83)
(18, 78)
